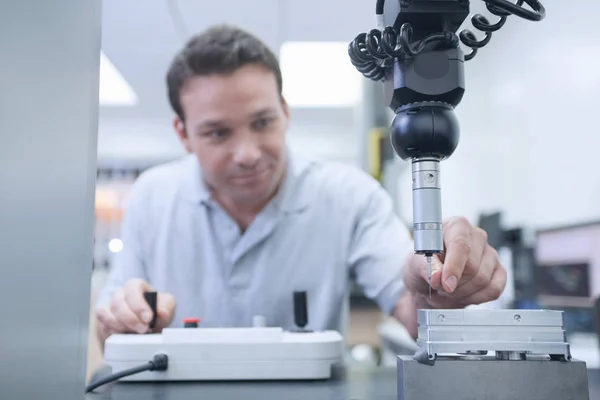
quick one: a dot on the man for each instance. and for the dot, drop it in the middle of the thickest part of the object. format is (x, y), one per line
(231, 230)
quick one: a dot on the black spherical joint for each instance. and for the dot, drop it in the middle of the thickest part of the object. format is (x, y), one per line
(425, 130)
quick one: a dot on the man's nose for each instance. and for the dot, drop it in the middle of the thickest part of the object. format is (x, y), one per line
(247, 152)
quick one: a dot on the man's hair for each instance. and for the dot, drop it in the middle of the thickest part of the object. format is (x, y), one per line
(221, 49)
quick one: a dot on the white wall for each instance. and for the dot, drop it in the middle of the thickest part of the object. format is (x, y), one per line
(137, 140)
(140, 141)
(334, 139)
(529, 144)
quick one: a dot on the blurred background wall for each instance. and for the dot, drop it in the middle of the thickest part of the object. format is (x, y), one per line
(528, 120)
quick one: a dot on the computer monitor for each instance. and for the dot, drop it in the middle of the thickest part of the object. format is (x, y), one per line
(565, 280)
(567, 272)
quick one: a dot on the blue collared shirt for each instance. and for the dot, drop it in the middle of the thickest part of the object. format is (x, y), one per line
(329, 222)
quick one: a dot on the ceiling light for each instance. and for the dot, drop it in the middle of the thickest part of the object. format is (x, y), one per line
(114, 89)
(115, 245)
(319, 74)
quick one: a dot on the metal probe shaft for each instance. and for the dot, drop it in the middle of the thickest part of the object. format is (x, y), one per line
(427, 210)
(429, 272)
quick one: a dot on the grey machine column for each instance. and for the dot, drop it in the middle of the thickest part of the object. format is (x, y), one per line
(49, 78)
(374, 113)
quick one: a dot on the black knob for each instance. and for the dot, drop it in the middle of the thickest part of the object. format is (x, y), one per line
(151, 300)
(300, 309)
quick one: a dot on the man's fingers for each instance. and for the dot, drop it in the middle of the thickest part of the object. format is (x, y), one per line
(108, 323)
(487, 265)
(417, 278)
(436, 273)
(123, 312)
(478, 245)
(457, 241)
(165, 308)
(492, 291)
(134, 296)
(439, 300)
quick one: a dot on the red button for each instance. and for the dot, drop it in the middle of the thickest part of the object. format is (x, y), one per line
(191, 320)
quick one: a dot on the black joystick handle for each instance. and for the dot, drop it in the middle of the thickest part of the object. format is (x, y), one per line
(300, 309)
(151, 300)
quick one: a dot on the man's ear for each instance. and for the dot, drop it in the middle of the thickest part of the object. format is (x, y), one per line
(285, 106)
(286, 110)
(181, 133)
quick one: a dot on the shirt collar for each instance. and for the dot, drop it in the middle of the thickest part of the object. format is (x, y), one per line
(291, 197)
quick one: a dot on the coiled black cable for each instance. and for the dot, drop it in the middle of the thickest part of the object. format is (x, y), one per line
(502, 9)
(373, 52)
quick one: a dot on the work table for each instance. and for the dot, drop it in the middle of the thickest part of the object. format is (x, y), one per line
(351, 384)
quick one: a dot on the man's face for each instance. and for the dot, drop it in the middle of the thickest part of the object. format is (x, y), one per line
(235, 125)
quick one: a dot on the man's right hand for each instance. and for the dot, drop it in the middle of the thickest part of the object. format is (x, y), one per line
(129, 312)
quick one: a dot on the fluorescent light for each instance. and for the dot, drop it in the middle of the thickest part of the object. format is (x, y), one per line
(319, 74)
(114, 89)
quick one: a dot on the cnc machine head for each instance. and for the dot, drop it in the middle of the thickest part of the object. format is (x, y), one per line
(426, 82)
(416, 52)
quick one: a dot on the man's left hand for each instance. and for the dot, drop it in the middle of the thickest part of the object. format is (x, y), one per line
(467, 272)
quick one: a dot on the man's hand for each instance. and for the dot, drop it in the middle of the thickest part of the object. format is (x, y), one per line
(467, 272)
(129, 312)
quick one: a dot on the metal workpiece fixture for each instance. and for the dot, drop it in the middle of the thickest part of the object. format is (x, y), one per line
(511, 334)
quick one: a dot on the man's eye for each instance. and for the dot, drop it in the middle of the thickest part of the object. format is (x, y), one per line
(262, 123)
(218, 133)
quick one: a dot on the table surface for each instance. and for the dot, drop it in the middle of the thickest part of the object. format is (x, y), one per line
(350, 384)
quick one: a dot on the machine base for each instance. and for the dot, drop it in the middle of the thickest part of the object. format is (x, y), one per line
(486, 378)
